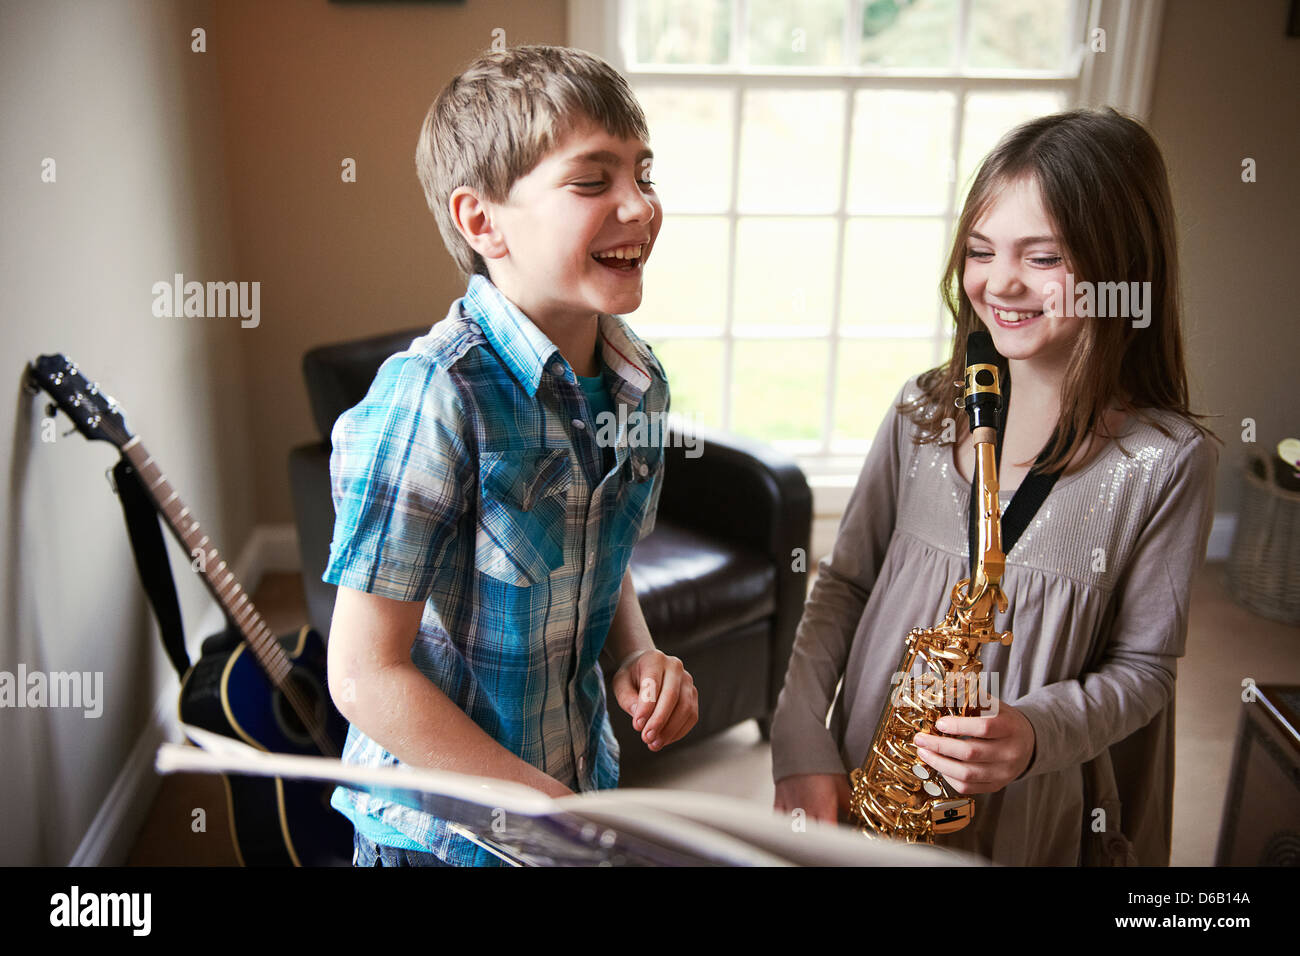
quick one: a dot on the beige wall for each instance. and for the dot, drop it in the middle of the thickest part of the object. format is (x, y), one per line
(305, 84)
(113, 94)
(1225, 90)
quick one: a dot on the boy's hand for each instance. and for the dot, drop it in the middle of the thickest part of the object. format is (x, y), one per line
(821, 796)
(999, 750)
(659, 694)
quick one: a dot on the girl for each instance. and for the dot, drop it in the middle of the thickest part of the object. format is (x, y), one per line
(1077, 764)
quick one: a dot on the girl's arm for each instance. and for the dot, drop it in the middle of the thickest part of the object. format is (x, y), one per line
(1075, 720)
(801, 744)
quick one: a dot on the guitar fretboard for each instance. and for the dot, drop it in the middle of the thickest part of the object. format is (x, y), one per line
(212, 567)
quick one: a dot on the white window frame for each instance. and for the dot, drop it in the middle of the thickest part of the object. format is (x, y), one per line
(1122, 77)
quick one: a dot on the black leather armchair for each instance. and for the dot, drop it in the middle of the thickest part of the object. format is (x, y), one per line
(715, 579)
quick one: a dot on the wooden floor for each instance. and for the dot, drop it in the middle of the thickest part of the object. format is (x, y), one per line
(1226, 644)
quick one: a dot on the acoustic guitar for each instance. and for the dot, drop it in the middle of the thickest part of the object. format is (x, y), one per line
(247, 684)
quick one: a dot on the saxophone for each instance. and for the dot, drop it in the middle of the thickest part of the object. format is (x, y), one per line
(894, 794)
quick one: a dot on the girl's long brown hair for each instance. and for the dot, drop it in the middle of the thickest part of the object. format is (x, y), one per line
(1104, 185)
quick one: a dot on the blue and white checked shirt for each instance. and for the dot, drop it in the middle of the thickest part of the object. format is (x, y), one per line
(470, 478)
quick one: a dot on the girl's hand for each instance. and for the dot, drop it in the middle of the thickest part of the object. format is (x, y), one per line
(821, 796)
(999, 749)
(660, 695)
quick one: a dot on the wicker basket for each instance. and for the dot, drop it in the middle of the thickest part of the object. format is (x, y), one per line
(1264, 567)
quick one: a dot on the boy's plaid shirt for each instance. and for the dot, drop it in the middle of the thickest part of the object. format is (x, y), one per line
(470, 478)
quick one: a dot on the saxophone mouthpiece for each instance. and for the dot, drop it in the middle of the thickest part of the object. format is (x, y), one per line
(982, 389)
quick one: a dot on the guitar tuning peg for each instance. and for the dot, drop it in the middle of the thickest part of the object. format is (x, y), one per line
(50, 409)
(108, 474)
(30, 382)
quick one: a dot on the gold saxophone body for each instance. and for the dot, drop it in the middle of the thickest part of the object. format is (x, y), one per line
(894, 794)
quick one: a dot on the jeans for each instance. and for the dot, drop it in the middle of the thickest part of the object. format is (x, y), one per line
(368, 853)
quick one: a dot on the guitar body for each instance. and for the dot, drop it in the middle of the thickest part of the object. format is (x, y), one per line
(268, 691)
(273, 822)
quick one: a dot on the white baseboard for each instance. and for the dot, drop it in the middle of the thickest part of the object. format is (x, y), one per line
(113, 832)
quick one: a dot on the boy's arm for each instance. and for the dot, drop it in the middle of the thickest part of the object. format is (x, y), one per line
(654, 688)
(377, 687)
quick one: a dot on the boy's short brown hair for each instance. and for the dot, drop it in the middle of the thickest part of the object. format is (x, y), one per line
(497, 120)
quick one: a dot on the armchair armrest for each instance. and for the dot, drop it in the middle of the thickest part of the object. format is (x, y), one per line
(313, 513)
(744, 491)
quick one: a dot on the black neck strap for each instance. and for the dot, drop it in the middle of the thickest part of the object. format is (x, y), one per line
(1029, 497)
(151, 560)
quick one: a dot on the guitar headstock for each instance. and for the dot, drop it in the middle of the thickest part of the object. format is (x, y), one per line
(95, 414)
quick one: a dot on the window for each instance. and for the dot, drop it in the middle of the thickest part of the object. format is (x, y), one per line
(812, 159)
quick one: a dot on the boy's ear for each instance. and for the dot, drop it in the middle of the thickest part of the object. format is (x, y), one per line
(473, 218)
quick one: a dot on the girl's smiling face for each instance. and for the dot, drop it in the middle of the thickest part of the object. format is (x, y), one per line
(1012, 253)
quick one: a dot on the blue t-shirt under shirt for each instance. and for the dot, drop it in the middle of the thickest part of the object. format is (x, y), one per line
(598, 397)
(598, 400)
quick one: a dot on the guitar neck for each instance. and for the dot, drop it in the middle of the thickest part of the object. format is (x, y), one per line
(211, 566)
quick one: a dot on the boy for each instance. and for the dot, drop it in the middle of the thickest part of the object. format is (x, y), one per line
(482, 535)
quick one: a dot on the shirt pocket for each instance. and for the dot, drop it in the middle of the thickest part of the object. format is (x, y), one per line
(642, 476)
(523, 502)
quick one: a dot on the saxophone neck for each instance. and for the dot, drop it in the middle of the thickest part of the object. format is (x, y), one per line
(988, 561)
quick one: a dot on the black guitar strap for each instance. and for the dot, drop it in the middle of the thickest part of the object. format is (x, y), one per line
(1029, 497)
(151, 561)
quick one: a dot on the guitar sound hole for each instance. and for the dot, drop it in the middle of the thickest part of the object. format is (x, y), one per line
(313, 703)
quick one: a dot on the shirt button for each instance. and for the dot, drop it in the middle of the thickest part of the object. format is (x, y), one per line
(579, 424)
(557, 369)
(582, 764)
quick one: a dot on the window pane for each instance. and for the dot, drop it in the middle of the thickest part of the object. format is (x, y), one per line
(683, 31)
(778, 389)
(990, 116)
(686, 275)
(810, 33)
(868, 377)
(694, 369)
(785, 271)
(908, 33)
(1018, 34)
(790, 150)
(902, 145)
(891, 273)
(691, 134)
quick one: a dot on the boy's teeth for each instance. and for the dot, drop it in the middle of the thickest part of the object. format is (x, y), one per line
(623, 252)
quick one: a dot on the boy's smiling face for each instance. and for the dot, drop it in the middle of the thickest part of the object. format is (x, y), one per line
(590, 195)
